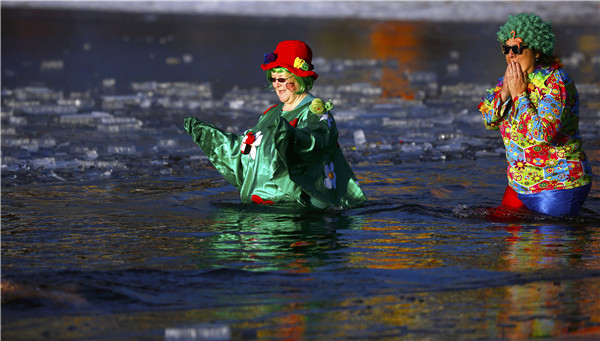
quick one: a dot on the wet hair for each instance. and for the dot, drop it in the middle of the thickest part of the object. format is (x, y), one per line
(305, 83)
(535, 33)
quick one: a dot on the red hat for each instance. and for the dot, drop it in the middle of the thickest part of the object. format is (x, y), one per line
(294, 55)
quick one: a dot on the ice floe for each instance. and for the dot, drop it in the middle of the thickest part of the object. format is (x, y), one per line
(56, 135)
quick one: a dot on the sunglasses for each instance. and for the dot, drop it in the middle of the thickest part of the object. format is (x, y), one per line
(280, 80)
(516, 49)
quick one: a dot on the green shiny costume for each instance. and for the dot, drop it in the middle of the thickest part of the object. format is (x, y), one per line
(293, 156)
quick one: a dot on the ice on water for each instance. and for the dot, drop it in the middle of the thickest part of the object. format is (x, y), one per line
(47, 133)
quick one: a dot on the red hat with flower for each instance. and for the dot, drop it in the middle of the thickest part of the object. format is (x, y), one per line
(294, 55)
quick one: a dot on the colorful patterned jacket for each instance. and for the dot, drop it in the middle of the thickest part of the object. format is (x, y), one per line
(540, 130)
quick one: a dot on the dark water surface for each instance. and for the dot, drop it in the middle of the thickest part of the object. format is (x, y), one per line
(116, 227)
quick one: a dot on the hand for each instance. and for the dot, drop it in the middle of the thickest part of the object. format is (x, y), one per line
(515, 78)
(505, 92)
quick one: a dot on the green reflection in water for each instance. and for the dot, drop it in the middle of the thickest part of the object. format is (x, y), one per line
(252, 237)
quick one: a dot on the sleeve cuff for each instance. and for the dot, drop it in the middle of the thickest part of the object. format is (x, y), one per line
(522, 94)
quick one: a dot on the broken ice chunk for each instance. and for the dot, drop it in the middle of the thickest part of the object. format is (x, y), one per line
(89, 119)
(109, 82)
(359, 138)
(119, 124)
(43, 109)
(17, 121)
(47, 65)
(45, 162)
(167, 143)
(45, 142)
(237, 104)
(14, 142)
(187, 58)
(91, 154)
(123, 150)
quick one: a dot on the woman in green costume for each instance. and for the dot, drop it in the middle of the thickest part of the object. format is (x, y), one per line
(292, 153)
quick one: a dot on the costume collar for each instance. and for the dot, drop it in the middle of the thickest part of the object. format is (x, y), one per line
(541, 73)
(309, 98)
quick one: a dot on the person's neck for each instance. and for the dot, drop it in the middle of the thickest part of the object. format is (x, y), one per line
(294, 103)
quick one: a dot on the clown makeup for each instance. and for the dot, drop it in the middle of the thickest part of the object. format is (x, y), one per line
(282, 89)
(287, 91)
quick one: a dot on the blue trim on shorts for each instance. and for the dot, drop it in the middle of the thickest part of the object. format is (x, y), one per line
(557, 202)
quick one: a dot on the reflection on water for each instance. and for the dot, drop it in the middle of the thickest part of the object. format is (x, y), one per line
(538, 309)
(273, 238)
(143, 255)
(550, 247)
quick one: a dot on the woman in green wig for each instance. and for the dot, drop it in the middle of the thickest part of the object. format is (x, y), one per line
(536, 108)
(291, 154)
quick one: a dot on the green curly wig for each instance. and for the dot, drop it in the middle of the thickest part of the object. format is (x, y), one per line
(532, 29)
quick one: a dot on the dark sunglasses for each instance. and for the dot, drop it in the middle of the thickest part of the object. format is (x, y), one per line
(516, 49)
(280, 80)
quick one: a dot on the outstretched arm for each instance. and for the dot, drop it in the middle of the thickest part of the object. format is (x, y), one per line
(221, 148)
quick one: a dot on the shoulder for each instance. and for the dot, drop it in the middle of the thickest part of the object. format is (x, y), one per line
(559, 78)
(562, 75)
(271, 108)
(548, 76)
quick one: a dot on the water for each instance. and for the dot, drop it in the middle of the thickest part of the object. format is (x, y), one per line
(115, 226)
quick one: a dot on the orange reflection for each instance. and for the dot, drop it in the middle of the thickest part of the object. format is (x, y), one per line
(290, 326)
(401, 41)
(386, 185)
(395, 249)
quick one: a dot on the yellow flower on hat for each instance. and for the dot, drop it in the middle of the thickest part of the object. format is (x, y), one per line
(299, 63)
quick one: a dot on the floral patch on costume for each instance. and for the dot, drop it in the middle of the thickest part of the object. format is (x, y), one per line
(330, 176)
(250, 142)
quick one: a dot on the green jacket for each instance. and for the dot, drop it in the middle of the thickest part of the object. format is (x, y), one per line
(288, 156)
